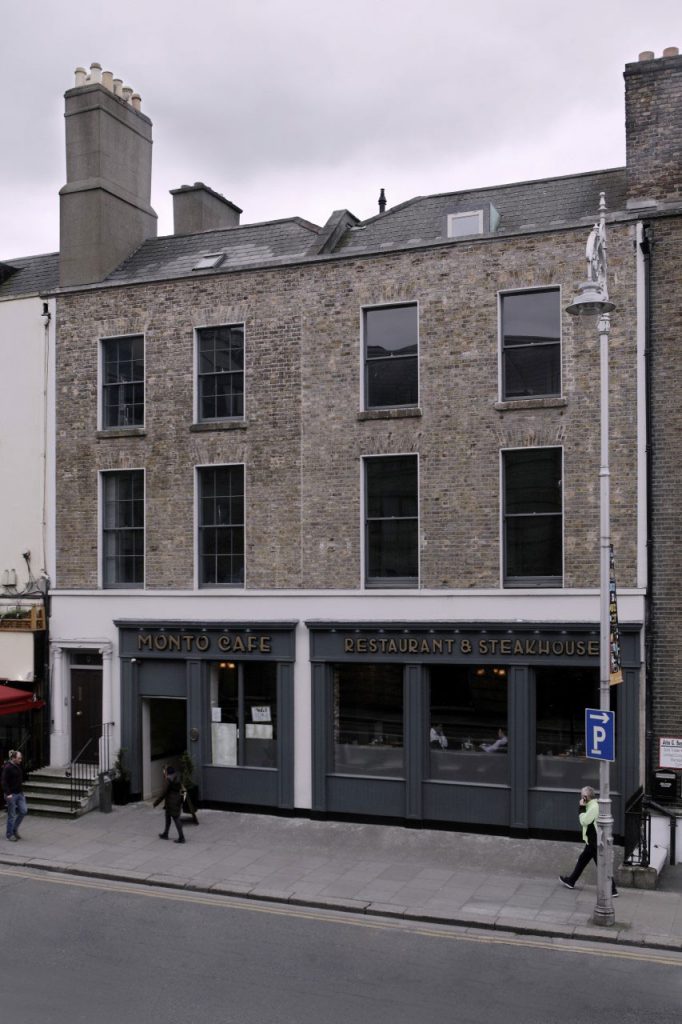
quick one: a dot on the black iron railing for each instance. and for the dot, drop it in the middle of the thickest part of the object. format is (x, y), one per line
(83, 771)
(637, 838)
(91, 762)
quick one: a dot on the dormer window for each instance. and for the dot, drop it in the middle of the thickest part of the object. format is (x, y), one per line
(209, 261)
(462, 224)
(481, 219)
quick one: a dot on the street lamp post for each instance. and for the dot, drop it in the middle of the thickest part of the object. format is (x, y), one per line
(593, 300)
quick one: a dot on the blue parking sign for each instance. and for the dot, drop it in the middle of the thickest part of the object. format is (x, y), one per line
(600, 734)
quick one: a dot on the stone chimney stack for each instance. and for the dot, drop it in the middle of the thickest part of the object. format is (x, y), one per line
(198, 208)
(105, 210)
(653, 128)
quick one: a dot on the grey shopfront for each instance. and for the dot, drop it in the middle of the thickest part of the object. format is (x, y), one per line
(468, 725)
(222, 691)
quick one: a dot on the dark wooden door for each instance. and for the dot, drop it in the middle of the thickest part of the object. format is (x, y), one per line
(86, 711)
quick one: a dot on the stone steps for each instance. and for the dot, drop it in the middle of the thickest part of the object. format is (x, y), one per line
(48, 792)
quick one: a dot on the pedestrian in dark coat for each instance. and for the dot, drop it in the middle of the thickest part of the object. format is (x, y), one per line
(172, 802)
(13, 788)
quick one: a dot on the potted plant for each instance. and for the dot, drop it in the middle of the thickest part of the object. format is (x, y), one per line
(189, 787)
(120, 782)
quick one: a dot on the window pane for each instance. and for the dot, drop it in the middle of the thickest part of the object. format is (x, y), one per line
(531, 326)
(468, 724)
(532, 480)
(390, 336)
(392, 549)
(221, 372)
(123, 529)
(260, 715)
(221, 526)
(533, 520)
(368, 720)
(123, 382)
(244, 714)
(532, 371)
(392, 486)
(392, 382)
(224, 713)
(561, 696)
(533, 546)
(391, 536)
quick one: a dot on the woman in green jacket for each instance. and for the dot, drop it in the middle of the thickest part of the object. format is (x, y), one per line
(588, 812)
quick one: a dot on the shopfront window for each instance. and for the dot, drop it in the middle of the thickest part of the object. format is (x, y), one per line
(244, 714)
(368, 720)
(561, 696)
(468, 739)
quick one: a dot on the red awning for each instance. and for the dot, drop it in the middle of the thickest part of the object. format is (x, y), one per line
(13, 701)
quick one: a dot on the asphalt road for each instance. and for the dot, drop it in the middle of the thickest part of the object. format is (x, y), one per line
(77, 950)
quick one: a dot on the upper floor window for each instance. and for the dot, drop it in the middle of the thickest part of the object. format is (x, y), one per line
(533, 517)
(531, 344)
(221, 526)
(391, 343)
(391, 521)
(123, 528)
(462, 224)
(123, 382)
(220, 362)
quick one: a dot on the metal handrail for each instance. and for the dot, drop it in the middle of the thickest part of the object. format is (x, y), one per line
(672, 813)
(637, 838)
(92, 762)
(82, 774)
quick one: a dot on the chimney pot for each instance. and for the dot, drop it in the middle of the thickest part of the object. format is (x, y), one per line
(671, 51)
(136, 101)
(646, 55)
(118, 86)
(126, 93)
(382, 201)
(96, 73)
(108, 80)
(80, 74)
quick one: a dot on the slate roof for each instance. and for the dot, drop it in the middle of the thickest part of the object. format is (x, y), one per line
(544, 204)
(34, 275)
(172, 256)
(529, 205)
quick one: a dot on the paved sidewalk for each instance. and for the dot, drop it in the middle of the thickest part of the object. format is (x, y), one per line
(420, 874)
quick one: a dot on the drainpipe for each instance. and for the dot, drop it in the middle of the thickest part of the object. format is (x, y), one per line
(645, 245)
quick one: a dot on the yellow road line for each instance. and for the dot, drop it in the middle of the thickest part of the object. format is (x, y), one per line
(340, 917)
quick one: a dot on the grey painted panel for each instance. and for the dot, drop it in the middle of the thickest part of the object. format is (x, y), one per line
(361, 795)
(521, 724)
(321, 741)
(257, 786)
(415, 717)
(466, 805)
(162, 678)
(285, 734)
(558, 809)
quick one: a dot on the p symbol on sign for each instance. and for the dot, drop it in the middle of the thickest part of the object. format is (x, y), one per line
(598, 737)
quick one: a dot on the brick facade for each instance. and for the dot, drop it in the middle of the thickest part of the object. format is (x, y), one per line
(665, 626)
(304, 435)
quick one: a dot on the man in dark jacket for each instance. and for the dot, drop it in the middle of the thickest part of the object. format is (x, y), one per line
(13, 788)
(172, 802)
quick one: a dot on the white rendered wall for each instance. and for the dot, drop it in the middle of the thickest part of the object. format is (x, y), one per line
(24, 473)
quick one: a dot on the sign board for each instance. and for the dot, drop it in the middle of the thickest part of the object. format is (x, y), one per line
(670, 752)
(600, 734)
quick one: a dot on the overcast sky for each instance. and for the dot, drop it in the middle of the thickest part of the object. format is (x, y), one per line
(301, 107)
